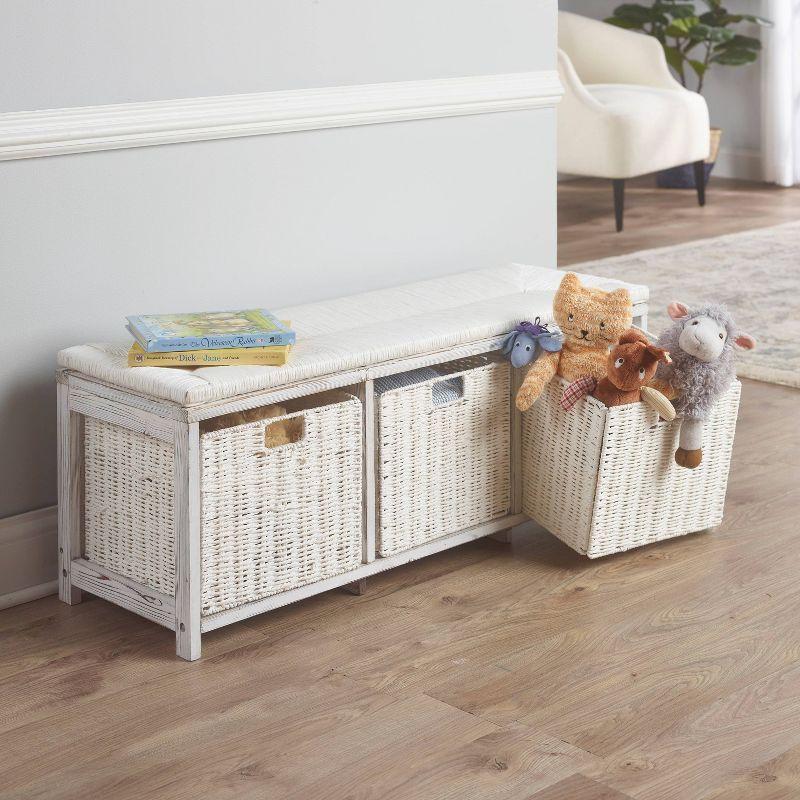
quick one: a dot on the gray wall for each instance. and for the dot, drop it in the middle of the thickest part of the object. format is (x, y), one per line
(269, 220)
(733, 93)
(88, 52)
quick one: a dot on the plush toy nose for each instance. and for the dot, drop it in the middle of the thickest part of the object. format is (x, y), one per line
(584, 334)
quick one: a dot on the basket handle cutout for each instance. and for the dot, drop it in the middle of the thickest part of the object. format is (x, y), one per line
(447, 391)
(284, 431)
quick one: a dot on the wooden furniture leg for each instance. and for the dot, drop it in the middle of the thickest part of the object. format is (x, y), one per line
(700, 181)
(70, 494)
(619, 202)
(187, 541)
(358, 587)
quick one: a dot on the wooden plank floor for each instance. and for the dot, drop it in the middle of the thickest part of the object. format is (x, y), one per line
(662, 217)
(492, 672)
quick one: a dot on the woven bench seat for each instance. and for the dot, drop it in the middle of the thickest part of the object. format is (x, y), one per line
(353, 332)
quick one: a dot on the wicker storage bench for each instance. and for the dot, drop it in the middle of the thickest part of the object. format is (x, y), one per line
(605, 480)
(194, 525)
(443, 467)
(272, 518)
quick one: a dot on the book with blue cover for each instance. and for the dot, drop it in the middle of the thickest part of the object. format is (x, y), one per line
(209, 330)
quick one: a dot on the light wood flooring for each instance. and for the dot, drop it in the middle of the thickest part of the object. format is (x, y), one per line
(661, 217)
(492, 671)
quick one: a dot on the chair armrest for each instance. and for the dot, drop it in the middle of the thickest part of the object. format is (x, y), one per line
(576, 97)
(603, 53)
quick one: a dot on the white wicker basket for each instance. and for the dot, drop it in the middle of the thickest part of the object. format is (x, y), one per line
(272, 519)
(604, 480)
(443, 468)
(128, 504)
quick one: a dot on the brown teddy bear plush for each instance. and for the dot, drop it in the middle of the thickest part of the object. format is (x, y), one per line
(277, 434)
(631, 364)
(592, 321)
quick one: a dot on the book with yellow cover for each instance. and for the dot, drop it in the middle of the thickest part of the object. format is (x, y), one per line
(275, 356)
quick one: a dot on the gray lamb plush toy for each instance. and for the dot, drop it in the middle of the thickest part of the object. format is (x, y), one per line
(701, 345)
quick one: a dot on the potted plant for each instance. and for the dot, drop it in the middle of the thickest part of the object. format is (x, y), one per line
(693, 42)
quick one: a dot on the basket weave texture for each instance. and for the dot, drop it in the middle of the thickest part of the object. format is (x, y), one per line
(275, 519)
(128, 504)
(443, 468)
(272, 519)
(604, 480)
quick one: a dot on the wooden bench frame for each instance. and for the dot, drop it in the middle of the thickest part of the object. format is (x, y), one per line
(80, 396)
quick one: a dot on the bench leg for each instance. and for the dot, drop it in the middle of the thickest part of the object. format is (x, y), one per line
(187, 541)
(70, 494)
(358, 587)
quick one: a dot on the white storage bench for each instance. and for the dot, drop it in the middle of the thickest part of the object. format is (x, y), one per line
(195, 529)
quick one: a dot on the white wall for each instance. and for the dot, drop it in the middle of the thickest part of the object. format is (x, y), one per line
(87, 52)
(733, 95)
(270, 220)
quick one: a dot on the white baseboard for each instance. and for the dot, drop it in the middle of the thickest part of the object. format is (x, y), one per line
(28, 595)
(739, 162)
(28, 556)
(31, 134)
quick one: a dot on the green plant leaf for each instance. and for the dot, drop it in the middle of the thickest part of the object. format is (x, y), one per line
(762, 21)
(681, 27)
(635, 13)
(748, 42)
(678, 10)
(623, 23)
(719, 35)
(674, 57)
(700, 32)
(735, 58)
(698, 66)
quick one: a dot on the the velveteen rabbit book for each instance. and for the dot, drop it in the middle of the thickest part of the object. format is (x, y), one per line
(209, 330)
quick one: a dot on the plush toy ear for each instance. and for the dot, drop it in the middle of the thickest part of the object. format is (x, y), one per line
(621, 296)
(745, 341)
(677, 310)
(508, 342)
(570, 282)
(658, 354)
(633, 335)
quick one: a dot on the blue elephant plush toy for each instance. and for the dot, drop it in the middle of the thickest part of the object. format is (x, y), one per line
(528, 339)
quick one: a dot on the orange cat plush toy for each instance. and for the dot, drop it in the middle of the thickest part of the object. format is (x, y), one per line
(592, 321)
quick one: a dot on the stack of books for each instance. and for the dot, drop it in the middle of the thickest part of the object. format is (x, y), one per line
(206, 339)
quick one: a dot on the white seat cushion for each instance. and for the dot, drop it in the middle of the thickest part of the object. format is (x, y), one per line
(354, 332)
(638, 129)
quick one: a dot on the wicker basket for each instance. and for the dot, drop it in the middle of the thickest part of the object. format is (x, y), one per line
(604, 480)
(443, 468)
(128, 504)
(272, 519)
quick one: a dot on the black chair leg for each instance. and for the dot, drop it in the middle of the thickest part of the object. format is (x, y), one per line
(700, 181)
(619, 201)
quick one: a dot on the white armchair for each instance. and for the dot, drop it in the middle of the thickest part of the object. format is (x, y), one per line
(623, 114)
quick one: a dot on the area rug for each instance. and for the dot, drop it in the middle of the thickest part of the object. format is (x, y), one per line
(755, 273)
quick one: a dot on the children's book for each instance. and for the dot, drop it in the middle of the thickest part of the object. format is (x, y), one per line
(209, 330)
(275, 356)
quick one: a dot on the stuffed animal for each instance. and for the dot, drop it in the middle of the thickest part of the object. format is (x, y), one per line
(701, 344)
(632, 364)
(591, 321)
(528, 340)
(275, 435)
